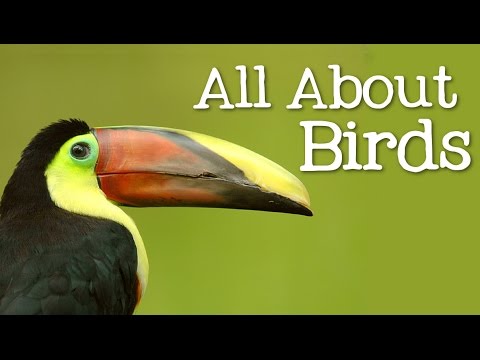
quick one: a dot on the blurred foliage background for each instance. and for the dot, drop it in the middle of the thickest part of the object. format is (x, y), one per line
(380, 242)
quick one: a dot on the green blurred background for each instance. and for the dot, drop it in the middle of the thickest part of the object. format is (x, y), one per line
(385, 241)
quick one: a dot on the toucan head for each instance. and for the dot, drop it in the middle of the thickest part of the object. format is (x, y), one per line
(149, 166)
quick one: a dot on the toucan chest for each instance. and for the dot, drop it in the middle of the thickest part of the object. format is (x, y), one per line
(54, 261)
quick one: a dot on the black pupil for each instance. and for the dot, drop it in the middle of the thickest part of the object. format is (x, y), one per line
(80, 151)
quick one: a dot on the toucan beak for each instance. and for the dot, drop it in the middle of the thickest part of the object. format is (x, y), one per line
(150, 166)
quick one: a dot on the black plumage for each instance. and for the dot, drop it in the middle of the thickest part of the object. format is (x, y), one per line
(53, 261)
(26, 190)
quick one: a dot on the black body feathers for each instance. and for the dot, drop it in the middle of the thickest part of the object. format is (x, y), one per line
(61, 263)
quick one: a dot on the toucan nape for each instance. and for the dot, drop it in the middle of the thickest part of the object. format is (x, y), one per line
(66, 247)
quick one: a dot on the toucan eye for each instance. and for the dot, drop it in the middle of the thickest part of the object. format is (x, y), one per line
(80, 151)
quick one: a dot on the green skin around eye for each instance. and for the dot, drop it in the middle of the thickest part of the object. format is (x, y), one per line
(89, 160)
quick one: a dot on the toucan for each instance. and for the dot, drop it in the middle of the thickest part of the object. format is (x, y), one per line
(66, 246)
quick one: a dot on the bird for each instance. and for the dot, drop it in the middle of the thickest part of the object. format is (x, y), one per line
(67, 246)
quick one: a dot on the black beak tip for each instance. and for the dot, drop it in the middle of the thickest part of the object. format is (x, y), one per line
(293, 207)
(302, 210)
(307, 212)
